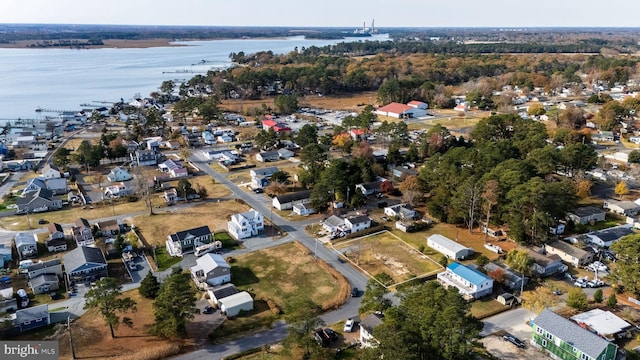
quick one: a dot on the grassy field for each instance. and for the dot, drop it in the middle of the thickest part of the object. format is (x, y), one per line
(155, 228)
(486, 306)
(92, 338)
(288, 270)
(385, 252)
(213, 190)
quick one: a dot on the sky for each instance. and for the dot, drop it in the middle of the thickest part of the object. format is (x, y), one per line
(327, 13)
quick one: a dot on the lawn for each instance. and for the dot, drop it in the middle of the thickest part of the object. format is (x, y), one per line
(92, 339)
(486, 307)
(289, 270)
(164, 260)
(213, 190)
(384, 252)
(70, 214)
(474, 240)
(155, 228)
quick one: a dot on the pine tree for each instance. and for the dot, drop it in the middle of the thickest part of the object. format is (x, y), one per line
(149, 286)
(174, 306)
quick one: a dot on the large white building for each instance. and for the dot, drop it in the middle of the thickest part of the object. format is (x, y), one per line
(448, 247)
(246, 224)
(471, 283)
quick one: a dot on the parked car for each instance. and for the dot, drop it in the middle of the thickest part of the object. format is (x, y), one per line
(581, 283)
(595, 283)
(569, 277)
(348, 326)
(514, 340)
(355, 292)
(208, 310)
(321, 337)
(331, 334)
(42, 221)
(258, 190)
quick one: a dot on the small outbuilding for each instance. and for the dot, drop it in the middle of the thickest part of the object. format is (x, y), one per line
(234, 304)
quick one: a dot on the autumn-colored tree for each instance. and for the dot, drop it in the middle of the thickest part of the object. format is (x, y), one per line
(386, 187)
(275, 188)
(584, 188)
(343, 142)
(621, 189)
(363, 150)
(536, 110)
(410, 188)
(539, 299)
(497, 275)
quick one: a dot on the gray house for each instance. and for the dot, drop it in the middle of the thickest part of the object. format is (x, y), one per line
(85, 263)
(545, 265)
(53, 266)
(41, 200)
(266, 156)
(82, 233)
(26, 245)
(211, 270)
(44, 283)
(512, 279)
(56, 241)
(587, 214)
(186, 241)
(33, 317)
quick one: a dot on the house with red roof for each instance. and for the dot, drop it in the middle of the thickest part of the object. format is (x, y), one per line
(358, 134)
(277, 126)
(413, 109)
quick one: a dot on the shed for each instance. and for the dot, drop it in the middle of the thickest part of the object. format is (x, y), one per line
(507, 299)
(448, 247)
(232, 305)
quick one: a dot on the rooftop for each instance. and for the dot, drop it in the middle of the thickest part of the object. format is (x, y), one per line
(472, 275)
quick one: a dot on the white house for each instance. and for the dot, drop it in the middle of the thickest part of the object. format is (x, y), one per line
(448, 247)
(471, 283)
(302, 208)
(635, 139)
(357, 223)
(333, 223)
(117, 190)
(232, 305)
(587, 214)
(401, 211)
(285, 201)
(221, 292)
(211, 270)
(628, 208)
(366, 329)
(246, 224)
(50, 171)
(606, 237)
(119, 174)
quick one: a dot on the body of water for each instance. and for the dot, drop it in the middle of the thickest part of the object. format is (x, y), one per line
(63, 79)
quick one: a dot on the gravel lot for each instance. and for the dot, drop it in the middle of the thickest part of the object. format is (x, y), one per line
(505, 350)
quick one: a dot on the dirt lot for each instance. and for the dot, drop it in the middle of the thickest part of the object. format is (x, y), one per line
(386, 253)
(351, 102)
(93, 340)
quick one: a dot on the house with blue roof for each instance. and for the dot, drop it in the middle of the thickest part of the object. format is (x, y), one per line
(563, 339)
(471, 283)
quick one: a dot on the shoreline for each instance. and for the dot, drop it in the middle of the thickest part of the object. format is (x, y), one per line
(116, 43)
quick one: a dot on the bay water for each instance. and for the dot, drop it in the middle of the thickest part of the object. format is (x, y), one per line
(65, 79)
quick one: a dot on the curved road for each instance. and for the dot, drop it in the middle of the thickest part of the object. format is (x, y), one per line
(295, 231)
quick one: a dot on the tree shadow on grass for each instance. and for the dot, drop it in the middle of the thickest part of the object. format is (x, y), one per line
(243, 276)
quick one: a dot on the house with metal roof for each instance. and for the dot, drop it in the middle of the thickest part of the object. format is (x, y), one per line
(448, 247)
(564, 339)
(471, 283)
(85, 263)
(232, 305)
(186, 241)
(604, 323)
(211, 270)
(221, 292)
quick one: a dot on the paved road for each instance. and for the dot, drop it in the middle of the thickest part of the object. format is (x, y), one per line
(295, 231)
